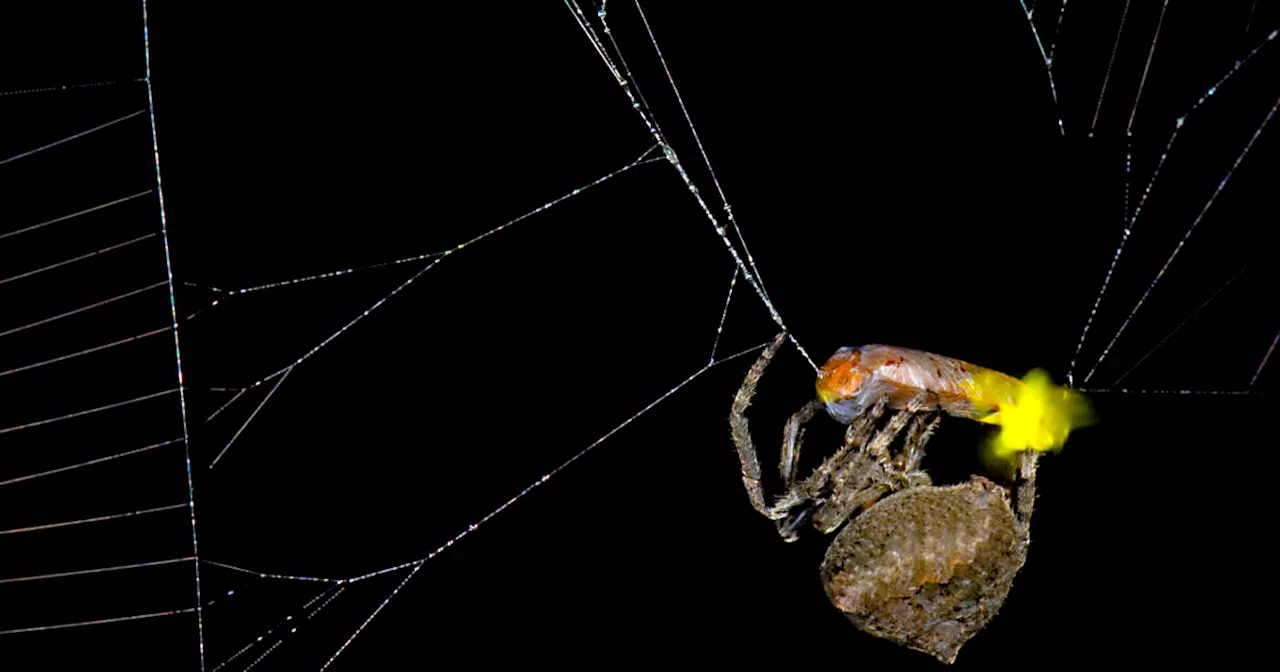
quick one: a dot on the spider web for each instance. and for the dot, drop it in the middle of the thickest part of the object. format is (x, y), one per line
(361, 396)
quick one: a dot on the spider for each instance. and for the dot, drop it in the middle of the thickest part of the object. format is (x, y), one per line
(922, 565)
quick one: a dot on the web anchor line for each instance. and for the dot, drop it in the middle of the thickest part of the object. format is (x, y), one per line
(1107, 77)
(419, 563)
(86, 211)
(95, 409)
(251, 415)
(272, 631)
(283, 373)
(177, 346)
(366, 622)
(646, 117)
(69, 87)
(1130, 222)
(1180, 325)
(69, 313)
(88, 463)
(1265, 357)
(232, 400)
(96, 519)
(724, 201)
(269, 575)
(1146, 68)
(101, 621)
(440, 257)
(551, 474)
(69, 138)
(723, 314)
(86, 351)
(1160, 274)
(436, 259)
(50, 267)
(1211, 393)
(1048, 61)
(96, 570)
(1057, 28)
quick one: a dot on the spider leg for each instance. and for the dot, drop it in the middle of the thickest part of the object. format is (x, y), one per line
(1025, 490)
(863, 478)
(792, 435)
(878, 446)
(855, 438)
(860, 484)
(918, 434)
(741, 431)
(813, 487)
(863, 426)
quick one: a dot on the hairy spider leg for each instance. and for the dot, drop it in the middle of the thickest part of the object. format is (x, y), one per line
(1025, 495)
(741, 431)
(856, 436)
(867, 475)
(792, 436)
(921, 429)
(859, 474)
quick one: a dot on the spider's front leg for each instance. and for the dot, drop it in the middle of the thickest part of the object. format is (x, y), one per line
(793, 435)
(741, 431)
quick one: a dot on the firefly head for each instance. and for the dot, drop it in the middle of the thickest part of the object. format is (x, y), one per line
(839, 382)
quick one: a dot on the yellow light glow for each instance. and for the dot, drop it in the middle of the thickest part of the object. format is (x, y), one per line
(1036, 415)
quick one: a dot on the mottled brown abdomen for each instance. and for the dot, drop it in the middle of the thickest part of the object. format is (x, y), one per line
(927, 567)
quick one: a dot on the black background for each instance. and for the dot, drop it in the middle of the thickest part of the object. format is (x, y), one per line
(900, 177)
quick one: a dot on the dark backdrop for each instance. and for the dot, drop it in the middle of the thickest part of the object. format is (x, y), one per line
(900, 177)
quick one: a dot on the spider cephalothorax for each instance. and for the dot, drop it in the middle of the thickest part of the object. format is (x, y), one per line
(922, 565)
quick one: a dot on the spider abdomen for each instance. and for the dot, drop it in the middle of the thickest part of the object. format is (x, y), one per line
(927, 567)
